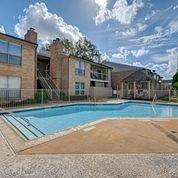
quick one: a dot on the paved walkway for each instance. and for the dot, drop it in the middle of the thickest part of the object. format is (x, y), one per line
(99, 166)
(5, 151)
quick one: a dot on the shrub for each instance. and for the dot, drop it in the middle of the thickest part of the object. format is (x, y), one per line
(39, 95)
(175, 81)
(62, 94)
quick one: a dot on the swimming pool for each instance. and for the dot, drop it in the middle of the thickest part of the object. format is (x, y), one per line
(39, 122)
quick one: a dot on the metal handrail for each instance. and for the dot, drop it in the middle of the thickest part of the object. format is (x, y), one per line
(44, 82)
(55, 86)
(50, 84)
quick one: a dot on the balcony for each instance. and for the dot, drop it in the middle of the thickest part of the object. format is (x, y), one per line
(99, 76)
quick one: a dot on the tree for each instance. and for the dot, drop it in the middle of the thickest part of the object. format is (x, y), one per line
(175, 81)
(82, 48)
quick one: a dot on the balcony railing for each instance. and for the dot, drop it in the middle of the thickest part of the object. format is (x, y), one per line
(99, 76)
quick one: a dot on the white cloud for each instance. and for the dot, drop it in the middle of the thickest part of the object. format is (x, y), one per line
(173, 26)
(121, 55)
(102, 15)
(139, 52)
(158, 29)
(2, 30)
(124, 13)
(149, 16)
(161, 69)
(101, 3)
(49, 26)
(170, 57)
(135, 30)
(160, 58)
(121, 12)
(160, 34)
(104, 57)
(175, 7)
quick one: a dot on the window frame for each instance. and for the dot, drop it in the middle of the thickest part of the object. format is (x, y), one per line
(80, 90)
(80, 69)
(10, 93)
(5, 53)
(9, 55)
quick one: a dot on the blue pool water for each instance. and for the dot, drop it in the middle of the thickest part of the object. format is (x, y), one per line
(46, 121)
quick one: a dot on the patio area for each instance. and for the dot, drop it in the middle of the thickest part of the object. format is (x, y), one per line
(115, 136)
(107, 139)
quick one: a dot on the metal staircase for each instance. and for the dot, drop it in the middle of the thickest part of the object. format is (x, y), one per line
(48, 85)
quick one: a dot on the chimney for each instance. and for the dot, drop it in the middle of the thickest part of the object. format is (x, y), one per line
(57, 46)
(56, 61)
(31, 35)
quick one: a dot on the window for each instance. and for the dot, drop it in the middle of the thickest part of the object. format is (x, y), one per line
(131, 86)
(79, 67)
(10, 87)
(79, 88)
(10, 53)
(3, 51)
(98, 84)
(144, 85)
(14, 54)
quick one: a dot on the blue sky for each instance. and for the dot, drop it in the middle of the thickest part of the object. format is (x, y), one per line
(135, 32)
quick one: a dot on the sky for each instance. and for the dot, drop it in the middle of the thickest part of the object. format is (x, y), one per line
(136, 32)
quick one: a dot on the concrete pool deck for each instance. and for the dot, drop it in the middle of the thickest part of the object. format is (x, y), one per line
(107, 138)
(115, 136)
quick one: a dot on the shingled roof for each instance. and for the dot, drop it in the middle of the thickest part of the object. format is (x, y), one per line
(120, 67)
(123, 74)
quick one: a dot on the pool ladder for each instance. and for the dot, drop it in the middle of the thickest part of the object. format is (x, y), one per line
(154, 98)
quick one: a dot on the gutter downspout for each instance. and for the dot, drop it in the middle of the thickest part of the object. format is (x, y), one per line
(36, 60)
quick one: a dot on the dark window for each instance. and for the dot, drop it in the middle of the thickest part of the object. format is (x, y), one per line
(3, 51)
(10, 53)
(79, 88)
(79, 67)
(16, 60)
(3, 57)
(14, 54)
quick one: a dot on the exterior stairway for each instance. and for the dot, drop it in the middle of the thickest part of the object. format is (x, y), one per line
(48, 85)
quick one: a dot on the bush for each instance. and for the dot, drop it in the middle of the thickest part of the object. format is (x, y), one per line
(39, 95)
(175, 81)
(62, 95)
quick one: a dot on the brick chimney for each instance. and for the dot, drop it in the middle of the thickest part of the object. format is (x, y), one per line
(31, 35)
(56, 61)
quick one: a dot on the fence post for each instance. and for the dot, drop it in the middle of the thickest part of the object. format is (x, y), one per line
(42, 99)
(117, 92)
(169, 95)
(134, 90)
(69, 94)
(122, 90)
(149, 90)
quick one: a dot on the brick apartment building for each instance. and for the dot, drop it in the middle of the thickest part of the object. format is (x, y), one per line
(17, 65)
(22, 70)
